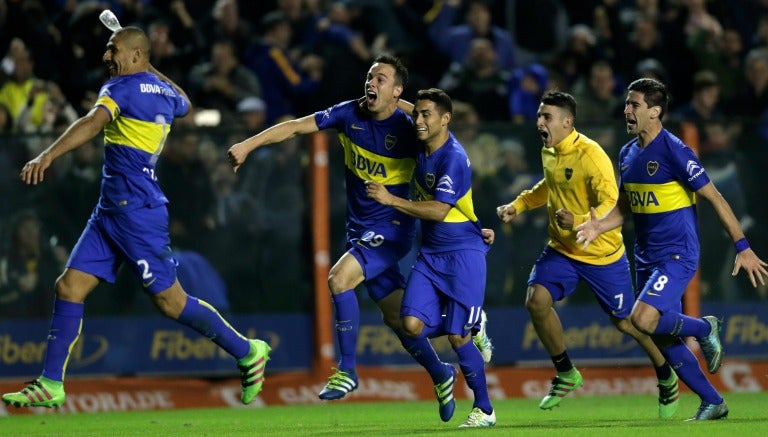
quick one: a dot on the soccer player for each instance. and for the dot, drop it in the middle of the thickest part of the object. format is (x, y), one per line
(135, 109)
(446, 289)
(578, 174)
(661, 178)
(379, 144)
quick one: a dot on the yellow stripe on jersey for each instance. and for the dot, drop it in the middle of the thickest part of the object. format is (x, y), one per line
(146, 136)
(371, 166)
(463, 211)
(658, 198)
(109, 104)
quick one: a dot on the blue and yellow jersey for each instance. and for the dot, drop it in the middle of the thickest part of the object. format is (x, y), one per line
(382, 151)
(446, 176)
(577, 175)
(660, 181)
(142, 108)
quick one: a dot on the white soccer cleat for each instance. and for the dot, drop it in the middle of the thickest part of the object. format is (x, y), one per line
(478, 419)
(482, 341)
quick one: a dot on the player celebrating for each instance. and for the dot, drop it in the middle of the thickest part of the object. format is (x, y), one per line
(379, 144)
(446, 289)
(577, 173)
(661, 178)
(135, 109)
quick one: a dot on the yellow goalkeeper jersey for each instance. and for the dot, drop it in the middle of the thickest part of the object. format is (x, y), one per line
(577, 175)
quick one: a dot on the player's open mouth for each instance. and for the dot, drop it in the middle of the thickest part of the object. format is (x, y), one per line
(630, 122)
(544, 134)
(371, 97)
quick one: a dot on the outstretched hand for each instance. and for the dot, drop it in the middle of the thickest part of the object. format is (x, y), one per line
(588, 231)
(33, 171)
(754, 266)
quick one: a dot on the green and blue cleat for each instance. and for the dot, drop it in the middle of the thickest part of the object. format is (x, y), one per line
(444, 394)
(339, 385)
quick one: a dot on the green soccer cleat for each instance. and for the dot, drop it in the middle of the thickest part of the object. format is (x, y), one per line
(444, 394)
(482, 341)
(669, 397)
(711, 412)
(711, 346)
(42, 392)
(252, 370)
(561, 386)
(339, 384)
(478, 419)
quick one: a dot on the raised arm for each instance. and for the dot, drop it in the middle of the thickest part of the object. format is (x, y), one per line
(275, 134)
(745, 256)
(77, 134)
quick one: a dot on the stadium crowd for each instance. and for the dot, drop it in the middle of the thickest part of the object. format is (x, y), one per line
(250, 64)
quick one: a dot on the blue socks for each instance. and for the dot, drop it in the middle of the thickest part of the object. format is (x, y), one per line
(422, 351)
(203, 318)
(680, 325)
(473, 368)
(347, 324)
(687, 368)
(66, 324)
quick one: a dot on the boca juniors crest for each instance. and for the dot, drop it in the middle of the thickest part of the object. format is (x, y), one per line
(652, 167)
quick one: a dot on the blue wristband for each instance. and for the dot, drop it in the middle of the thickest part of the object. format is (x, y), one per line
(741, 245)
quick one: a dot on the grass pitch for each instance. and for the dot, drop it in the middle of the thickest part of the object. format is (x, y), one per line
(577, 416)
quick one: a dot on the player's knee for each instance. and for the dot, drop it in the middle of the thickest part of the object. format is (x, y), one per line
(412, 326)
(458, 341)
(641, 323)
(338, 283)
(537, 300)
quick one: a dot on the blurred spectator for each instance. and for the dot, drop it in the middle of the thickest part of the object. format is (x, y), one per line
(455, 40)
(644, 42)
(222, 82)
(721, 53)
(75, 194)
(24, 91)
(29, 265)
(175, 48)
(57, 113)
(252, 115)
(479, 82)
(717, 153)
(284, 81)
(527, 85)
(598, 95)
(224, 22)
(580, 52)
(184, 179)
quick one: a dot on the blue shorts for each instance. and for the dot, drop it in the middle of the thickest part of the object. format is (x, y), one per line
(663, 284)
(611, 283)
(139, 238)
(447, 289)
(378, 250)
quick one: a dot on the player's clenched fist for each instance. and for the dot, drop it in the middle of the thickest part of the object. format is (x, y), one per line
(506, 212)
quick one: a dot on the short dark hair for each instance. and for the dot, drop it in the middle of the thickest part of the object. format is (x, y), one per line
(561, 100)
(654, 93)
(401, 73)
(442, 100)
